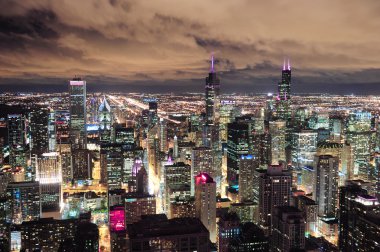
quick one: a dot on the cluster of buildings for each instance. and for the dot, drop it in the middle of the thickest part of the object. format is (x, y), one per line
(119, 173)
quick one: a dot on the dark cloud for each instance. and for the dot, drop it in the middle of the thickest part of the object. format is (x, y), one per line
(161, 45)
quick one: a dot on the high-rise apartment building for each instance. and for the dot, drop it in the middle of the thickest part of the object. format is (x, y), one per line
(326, 185)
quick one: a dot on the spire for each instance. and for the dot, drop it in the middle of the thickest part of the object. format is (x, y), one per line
(288, 64)
(283, 66)
(212, 63)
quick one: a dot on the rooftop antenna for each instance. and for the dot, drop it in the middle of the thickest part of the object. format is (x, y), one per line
(212, 63)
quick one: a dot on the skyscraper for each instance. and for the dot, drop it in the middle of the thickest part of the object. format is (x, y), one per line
(17, 140)
(202, 160)
(163, 135)
(277, 131)
(38, 123)
(288, 229)
(274, 190)
(105, 121)
(326, 187)
(359, 135)
(78, 113)
(247, 166)
(284, 96)
(237, 145)
(205, 202)
(212, 89)
(24, 198)
(359, 221)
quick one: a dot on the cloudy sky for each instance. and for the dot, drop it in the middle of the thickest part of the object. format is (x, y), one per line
(162, 45)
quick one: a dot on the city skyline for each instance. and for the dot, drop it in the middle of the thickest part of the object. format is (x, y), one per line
(158, 47)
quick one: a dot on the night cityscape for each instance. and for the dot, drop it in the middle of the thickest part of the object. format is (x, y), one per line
(229, 126)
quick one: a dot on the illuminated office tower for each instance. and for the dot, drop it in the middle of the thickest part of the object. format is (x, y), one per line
(16, 140)
(304, 147)
(136, 205)
(24, 199)
(52, 133)
(264, 149)
(309, 209)
(228, 228)
(202, 160)
(64, 151)
(177, 173)
(336, 128)
(359, 135)
(62, 126)
(153, 113)
(269, 107)
(46, 234)
(212, 90)
(326, 187)
(277, 131)
(274, 190)
(320, 120)
(300, 118)
(111, 158)
(38, 124)
(177, 180)
(78, 113)
(129, 158)
(283, 99)
(81, 163)
(228, 112)
(123, 134)
(163, 128)
(288, 229)
(105, 121)
(205, 202)
(359, 220)
(345, 154)
(49, 175)
(237, 145)
(247, 166)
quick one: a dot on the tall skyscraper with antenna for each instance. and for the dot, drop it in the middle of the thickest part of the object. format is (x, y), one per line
(283, 100)
(212, 89)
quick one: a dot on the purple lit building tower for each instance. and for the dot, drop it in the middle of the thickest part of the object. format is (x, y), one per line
(284, 95)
